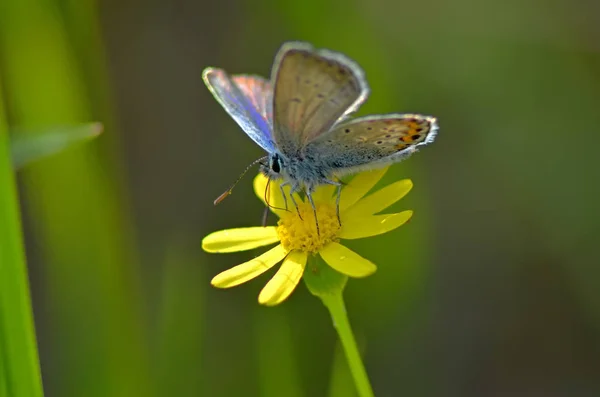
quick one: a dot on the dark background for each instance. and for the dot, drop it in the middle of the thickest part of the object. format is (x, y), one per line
(491, 290)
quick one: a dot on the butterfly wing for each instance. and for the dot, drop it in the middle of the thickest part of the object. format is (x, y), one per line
(247, 99)
(259, 92)
(313, 89)
(371, 142)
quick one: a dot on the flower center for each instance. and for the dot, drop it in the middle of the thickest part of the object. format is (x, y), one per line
(300, 232)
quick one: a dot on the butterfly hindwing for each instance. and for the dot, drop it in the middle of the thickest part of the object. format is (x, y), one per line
(371, 142)
(313, 89)
(246, 99)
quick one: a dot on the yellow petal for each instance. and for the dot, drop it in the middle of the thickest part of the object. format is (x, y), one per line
(380, 200)
(276, 201)
(249, 270)
(260, 184)
(272, 195)
(346, 261)
(359, 186)
(285, 280)
(324, 193)
(372, 225)
(242, 239)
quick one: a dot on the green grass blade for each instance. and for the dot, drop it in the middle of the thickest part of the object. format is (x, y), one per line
(18, 350)
(278, 372)
(28, 147)
(179, 341)
(341, 384)
(93, 323)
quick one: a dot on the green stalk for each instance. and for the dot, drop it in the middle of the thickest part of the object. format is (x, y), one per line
(20, 370)
(337, 309)
(328, 285)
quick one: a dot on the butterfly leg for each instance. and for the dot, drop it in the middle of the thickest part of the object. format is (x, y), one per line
(284, 196)
(312, 203)
(293, 190)
(265, 215)
(337, 199)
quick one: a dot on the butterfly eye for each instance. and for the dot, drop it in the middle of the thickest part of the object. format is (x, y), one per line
(275, 164)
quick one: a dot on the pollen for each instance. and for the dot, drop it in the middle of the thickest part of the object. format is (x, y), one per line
(299, 232)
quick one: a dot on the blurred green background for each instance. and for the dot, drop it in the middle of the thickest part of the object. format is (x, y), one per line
(491, 290)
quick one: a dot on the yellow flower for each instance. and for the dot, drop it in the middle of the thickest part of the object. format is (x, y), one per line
(298, 237)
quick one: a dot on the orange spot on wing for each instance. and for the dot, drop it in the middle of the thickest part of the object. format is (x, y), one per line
(413, 125)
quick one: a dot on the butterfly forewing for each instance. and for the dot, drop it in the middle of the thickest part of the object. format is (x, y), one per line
(243, 102)
(312, 90)
(372, 141)
(259, 92)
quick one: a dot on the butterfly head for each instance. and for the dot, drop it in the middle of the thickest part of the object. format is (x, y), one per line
(273, 165)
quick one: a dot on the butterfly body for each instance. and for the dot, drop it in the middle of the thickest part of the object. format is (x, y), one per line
(301, 117)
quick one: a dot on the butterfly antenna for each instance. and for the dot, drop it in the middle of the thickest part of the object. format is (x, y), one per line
(224, 195)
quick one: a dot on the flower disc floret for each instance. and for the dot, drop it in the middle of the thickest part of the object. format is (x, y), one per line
(297, 230)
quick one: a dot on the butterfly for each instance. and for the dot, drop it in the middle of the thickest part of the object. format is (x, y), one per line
(301, 118)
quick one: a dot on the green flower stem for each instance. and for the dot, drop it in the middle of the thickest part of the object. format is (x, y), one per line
(328, 285)
(337, 309)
